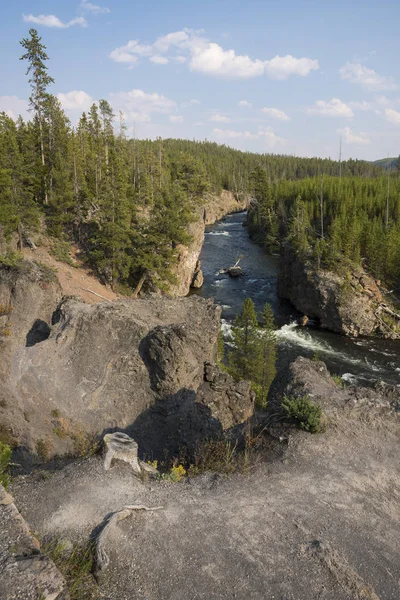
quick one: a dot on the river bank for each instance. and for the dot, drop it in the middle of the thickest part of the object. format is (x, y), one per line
(361, 360)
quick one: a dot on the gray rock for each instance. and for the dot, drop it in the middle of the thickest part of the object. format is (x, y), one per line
(25, 572)
(231, 403)
(348, 306)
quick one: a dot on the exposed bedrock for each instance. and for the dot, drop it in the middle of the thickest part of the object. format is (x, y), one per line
(213, 209)
(351, 306)
(126, 364)
(312, 378)
(25, 572)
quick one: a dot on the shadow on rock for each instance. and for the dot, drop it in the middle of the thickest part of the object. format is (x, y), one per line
(173, 425)
(39, 332)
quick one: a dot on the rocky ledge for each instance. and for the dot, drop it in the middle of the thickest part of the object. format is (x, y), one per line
(352, 305)
(72, 370)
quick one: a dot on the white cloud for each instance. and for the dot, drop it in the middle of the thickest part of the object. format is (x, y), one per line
(359, 139)
(53, 21)
(213, 60)
(245, 104)
(393, 116)
(75, 100)
(176, 119)
(270, 139)
(94, 8)
(130, 52)
(230, 133)
(14, 106)
(220, 118)
(275, 113)
(157, 59)
(333, 108)
(209, 58)
(137, 105)
(281, 67)
(357, 73)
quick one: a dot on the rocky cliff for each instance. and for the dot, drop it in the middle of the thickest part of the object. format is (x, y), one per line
(351, 305)
(188, 269)
(70, 370)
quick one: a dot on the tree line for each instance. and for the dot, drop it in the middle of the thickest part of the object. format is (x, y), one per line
(125, 203)
(332, 221)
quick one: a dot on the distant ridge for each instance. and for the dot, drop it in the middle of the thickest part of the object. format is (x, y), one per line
(387, 163)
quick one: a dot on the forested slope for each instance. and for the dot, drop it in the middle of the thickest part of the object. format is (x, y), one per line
(126, 203)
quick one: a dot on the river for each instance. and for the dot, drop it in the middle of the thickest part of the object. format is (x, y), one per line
(360, 360)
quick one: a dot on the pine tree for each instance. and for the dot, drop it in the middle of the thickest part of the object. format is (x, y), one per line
(245, 358)
(40, 81)
(267, 372)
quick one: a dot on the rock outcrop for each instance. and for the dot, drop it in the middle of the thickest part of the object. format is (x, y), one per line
(213, 209)
(232, 403)
(25, 572)
(297, 525)
(129, 364)
(312, 378)
(350, 306)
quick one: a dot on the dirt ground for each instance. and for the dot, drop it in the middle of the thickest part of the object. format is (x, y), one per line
(75, 281)
(322, 522)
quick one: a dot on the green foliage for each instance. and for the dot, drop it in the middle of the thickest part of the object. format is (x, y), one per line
(220, 348)
(61, 250)
(175, 474)
(339, 381)
(11, 260)
(244, 358)
(253, 356)
(335, 222)
(305, 412)
(127, 204)
(5, 457)
(76, 565)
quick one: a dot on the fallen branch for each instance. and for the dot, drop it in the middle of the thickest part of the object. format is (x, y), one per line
(387, 310)
(96, 294)
(102, 558)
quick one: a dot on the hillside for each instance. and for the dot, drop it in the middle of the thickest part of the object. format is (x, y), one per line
(387, 163)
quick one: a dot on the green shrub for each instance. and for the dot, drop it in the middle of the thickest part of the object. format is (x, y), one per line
(5, 457)
(339, 381)
(11, 259)
(306, 413)
(175, 474)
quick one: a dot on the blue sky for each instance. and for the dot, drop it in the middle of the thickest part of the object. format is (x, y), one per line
(263, 75)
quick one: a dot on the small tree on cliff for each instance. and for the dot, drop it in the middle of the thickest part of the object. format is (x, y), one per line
(254, 354)
(267, 372)
(244, 359)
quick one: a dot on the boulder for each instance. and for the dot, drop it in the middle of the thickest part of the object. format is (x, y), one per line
(231, 403)
(235, 272)
(101, 365)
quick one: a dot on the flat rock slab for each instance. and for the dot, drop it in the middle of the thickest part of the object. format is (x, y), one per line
(322, 524)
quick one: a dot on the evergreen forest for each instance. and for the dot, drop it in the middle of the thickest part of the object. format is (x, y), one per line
(126, 203)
